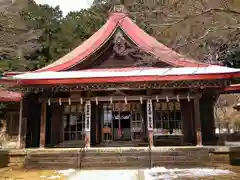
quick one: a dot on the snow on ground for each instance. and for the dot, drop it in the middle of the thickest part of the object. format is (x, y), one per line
(163, 173)
(66, 172)
(157, 173)
(105, 175)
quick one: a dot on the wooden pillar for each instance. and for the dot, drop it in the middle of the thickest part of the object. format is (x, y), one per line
(87, 123)
(197, 122)
(20, 124)
(43, 125)
(150, 121)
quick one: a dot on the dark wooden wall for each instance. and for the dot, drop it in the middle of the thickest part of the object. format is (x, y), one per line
(187, 109)
(207, 119)
(32, 111)
(94, 119)
(56, 125)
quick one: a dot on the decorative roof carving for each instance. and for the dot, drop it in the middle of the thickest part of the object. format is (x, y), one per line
(120, 44)
(118, 7)
(122, 47)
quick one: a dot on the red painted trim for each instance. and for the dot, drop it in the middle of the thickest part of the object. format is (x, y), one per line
(6, 74)
(8, 82)
(128, 79)
(8, 96)
(232, 88)
(2, 99)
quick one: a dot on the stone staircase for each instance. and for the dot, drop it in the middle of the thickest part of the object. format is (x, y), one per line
(115, 158)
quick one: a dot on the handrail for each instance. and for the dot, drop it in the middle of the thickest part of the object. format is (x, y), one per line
(80, 157)
(150, 154)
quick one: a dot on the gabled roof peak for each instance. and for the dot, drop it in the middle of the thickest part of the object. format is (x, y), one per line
(118, 7)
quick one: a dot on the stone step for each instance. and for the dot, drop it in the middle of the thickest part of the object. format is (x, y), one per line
(137, 158)
(50, 165)
(115, 158)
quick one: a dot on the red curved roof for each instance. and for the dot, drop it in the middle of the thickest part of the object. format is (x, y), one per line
(137, 35)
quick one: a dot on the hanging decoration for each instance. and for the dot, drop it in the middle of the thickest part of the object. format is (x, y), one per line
(69, 101)
(141, 100)
(125, 99)
(178, 98)
(96, 100)
(167, 99)
(60, 101)
(177, 106)
(188, 98)
(150, 115)
(157, 99)
(111, 100)
(49, 102)
(81, 100)
(171, 106)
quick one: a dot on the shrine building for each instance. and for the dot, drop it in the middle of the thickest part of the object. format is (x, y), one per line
(121, 87)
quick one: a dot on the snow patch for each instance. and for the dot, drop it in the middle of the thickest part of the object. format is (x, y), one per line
(163, 173)
(66, 172)
(105, 175)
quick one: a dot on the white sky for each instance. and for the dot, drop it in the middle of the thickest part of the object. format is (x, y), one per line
(67, 5)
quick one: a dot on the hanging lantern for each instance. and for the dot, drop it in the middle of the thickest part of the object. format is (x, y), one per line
(125, 99)
(69, 101)
(167, 99)
(96, 100)
(177, 106)
(141, 100)
(157, 99)
(60, 101)
(188, 98)
(178, 98)
(171, 106)
(81, 100)
(49, 102)
(111, 100)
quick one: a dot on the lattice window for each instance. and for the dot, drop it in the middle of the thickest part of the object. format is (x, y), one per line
(107, 122)
(13, 124)
(74, 122)
(167, 118)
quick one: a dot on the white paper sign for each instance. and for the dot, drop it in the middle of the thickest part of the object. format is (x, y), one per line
(88, 116)
(150, 115)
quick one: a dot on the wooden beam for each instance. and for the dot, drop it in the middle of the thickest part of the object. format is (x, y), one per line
(197, 122)
(43, 125)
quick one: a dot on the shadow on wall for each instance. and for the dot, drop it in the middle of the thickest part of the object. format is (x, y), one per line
(4, 158)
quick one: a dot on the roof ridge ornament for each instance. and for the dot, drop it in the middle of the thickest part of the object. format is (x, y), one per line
(118, 7)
